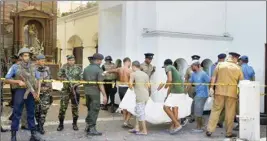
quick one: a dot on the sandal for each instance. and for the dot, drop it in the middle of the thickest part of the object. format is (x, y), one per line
(140, 133)
(133, 131)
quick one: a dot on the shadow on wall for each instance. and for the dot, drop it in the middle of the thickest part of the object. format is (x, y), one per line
(206, 65)
(181, 65)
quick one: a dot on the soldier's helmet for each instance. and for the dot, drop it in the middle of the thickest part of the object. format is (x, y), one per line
(24, 50)
(108, 58)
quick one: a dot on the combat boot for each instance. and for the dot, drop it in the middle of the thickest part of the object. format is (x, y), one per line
(41, 129)
(35, 136)
(94, 132)
(61, 125)
(13, 135)
(87, 129)
(74, 124)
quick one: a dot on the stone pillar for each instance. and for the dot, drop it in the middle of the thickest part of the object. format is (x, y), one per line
(249, 110)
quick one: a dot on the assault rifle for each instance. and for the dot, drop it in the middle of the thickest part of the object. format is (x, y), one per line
(73, 88)
(24, 77)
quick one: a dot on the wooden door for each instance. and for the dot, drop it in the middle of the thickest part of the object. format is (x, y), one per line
(78, 53)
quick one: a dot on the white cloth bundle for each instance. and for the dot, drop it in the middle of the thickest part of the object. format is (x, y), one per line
(208, 104)
(154, 110)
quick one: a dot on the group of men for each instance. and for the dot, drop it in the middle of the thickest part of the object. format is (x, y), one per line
(25, 78)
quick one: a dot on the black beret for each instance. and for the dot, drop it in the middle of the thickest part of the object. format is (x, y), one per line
(108, 58)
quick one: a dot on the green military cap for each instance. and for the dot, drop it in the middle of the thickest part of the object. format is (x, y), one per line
(70, 57)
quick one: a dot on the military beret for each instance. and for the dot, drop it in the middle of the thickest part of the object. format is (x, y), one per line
(167, 62)
(70, 57)
(90, 58)
(108, 58)
(234, 54)
(244, 58)
(14, 57)
(40, 56)
(195, 57)
(149, 55)
(98, 56)
(222, 56)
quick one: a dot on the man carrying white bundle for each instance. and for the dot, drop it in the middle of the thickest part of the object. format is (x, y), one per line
(139, 80)
(175, 97)
(199, 76)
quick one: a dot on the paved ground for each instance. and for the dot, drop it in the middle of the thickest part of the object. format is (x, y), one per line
(110, 125)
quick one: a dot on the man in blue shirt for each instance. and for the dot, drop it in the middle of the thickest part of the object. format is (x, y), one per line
(199, 76)
(247, 70)
(248, 73)
(18, 76)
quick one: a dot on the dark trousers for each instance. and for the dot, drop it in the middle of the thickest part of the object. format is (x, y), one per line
(18, 107)
(12, 96)
(93, 106)
(110, 91)
(122, 92)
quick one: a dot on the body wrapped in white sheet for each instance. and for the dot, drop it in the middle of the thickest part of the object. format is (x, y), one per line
(154, 110)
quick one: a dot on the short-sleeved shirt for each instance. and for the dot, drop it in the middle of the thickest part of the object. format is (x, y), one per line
(147, 68)
(140, 88)
(200, 77)
(248, 71)
(176, 78)
(227, 73)
(93, 72)
(14, 69)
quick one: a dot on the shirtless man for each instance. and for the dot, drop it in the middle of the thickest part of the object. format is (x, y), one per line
(124, 78)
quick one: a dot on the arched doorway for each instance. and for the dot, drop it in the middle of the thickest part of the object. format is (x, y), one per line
(181, 65)
(75, 45)
(206, 65)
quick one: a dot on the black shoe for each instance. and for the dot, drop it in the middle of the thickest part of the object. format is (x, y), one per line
(35, 137)
(236, 128)
(208, 133)
(94, 132)
(23, 127)
(231, 136)
(191, 120)
(13, 136)
(112, 108)
(87, 129)
(105, 108)
(3, 130)
(219, 125)
(184, 121)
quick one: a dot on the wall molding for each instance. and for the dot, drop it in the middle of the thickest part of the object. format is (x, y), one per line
(78, 15)
(154, 33)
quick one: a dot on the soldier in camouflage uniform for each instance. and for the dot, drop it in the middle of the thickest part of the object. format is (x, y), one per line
(46, 99)
(70, 72)
(190, 89)
(24, 77)
(147, 67)
(110, 77)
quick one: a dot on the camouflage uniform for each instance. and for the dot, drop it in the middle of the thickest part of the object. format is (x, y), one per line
(71, 73)
(43, 105)
(148, 68)
(110, 77)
